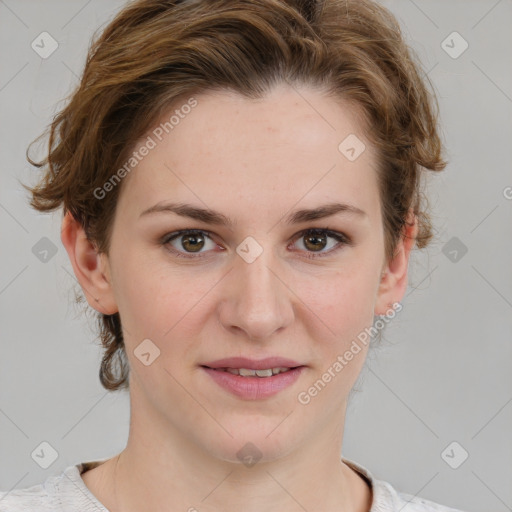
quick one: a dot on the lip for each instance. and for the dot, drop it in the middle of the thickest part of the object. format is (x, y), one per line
(252, 364)
(253, 388)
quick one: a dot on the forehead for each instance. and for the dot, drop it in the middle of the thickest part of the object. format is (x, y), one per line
(229, 151)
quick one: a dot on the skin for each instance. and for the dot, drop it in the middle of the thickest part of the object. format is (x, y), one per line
(255, 161)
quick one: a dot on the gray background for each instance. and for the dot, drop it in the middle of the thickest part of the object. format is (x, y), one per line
(443, 373)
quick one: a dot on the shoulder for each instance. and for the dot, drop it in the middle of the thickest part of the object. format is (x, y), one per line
(27, 499)
(59, 493)
(387, 498)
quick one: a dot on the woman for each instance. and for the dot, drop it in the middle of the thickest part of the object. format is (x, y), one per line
(240, 184)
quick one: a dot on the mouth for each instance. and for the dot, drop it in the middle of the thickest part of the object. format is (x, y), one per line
(249, 372)
(254, 384)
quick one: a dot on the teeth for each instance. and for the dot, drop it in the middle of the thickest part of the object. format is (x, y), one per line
(246, 372)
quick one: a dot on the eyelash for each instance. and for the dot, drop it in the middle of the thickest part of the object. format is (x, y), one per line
(340, 237)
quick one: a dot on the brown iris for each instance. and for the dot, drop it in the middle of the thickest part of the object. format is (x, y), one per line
(195, 242)
(315, 239)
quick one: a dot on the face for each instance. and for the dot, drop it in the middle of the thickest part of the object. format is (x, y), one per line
(260, 286)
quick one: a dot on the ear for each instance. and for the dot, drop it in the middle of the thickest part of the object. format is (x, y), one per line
(91, 268)
(394, 274)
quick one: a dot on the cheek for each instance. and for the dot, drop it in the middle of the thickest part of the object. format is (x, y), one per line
(162, 302)
(138, 286)
(343, 301)
(341, 312)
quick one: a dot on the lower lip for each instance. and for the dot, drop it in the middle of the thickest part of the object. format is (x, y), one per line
(254, 388)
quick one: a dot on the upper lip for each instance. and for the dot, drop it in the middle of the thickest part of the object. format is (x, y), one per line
(253, 364)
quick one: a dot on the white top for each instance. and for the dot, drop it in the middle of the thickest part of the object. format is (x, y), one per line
(67, 492)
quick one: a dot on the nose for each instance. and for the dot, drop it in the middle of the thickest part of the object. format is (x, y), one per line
(257, 299)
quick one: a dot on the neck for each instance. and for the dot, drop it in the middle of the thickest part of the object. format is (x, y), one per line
(167, 469)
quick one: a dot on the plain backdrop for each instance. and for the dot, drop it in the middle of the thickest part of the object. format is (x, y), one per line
(433, 414)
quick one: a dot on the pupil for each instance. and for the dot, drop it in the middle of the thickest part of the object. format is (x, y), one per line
(317, 238)
(190, 239)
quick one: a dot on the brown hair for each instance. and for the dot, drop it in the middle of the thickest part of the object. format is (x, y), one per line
(157, 51)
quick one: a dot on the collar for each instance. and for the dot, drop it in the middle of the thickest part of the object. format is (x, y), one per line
(384, 497)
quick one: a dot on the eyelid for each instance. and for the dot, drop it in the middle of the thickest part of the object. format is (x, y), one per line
(169, 237)
(342, 239)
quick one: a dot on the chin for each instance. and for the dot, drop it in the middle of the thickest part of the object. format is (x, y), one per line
(261, 440)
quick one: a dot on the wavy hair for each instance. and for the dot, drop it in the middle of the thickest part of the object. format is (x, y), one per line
(156, 52)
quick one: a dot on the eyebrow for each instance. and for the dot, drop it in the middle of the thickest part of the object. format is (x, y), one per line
(213, 217)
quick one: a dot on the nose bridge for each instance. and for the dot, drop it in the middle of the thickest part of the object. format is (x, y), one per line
(260, 302)
(254, 268)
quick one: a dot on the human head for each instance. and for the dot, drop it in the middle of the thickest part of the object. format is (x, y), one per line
(155, 54)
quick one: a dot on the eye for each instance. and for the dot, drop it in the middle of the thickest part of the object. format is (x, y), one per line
(188, 242)
(315, 240)
(191, 240)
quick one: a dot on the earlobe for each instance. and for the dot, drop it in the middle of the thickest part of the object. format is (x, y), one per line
(394, 276)
(90, 267)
